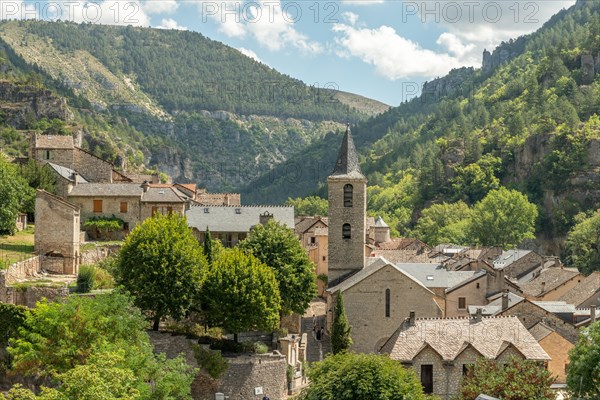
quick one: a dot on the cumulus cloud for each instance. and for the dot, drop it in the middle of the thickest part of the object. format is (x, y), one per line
(270, 24)
(170, 23)
(392, 55)
(350, 17)
(160, 6)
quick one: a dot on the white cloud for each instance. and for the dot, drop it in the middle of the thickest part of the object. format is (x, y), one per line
(265, 21)
(251, 54)
(170, 23)
(350, 17)
(454, 45)
(160, 6)
(392, 55)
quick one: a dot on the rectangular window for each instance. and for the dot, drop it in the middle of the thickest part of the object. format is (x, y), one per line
(462, 303)
(312, 240)
(123, 207)
(97, 206)
(47, 155)
(427, 378)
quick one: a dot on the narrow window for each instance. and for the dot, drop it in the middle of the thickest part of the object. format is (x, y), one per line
(387, 303)
(346, 231)
(312, 240)
(47, 154)
(123, 207)
(97, 206)
(348, 189)
(427, 378)
(462, 303)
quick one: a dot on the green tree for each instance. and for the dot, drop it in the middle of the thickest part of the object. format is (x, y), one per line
(444, 223)
(312, 205)
(37, 177)
(583, 243)
(161, 264)
(503, 218)
(349, 376)
(208, 247)
(340, 331)
(241, 293)
(475, 180)
(14, 192)
(518, 379)
(583, 374)
(277, 246)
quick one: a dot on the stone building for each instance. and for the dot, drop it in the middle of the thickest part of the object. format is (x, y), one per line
(57, 238)
(556, 346)
(442, 350)
(552, 283)
(520, 265)
(586, 293)
(231, 224)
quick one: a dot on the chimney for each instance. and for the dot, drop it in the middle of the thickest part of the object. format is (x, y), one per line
(411, 318)
(543, 288)
(504, 300)
(592, 314)
(145, 186)
(478, 314)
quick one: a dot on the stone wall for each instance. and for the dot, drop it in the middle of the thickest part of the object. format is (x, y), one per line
(218, 199)
(29, 296)
(474, 293)
(92, 168)
(558, 349)
(246, 373)
(98, 254)
(111, 206)
(22, 270)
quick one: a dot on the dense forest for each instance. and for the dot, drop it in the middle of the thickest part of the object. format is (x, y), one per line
(529, 124)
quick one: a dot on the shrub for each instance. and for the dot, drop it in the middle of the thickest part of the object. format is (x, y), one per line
(103, 279)
(86, 278)
(212, 361)
(260, 348)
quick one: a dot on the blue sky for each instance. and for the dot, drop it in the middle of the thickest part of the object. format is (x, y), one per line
(377, 48)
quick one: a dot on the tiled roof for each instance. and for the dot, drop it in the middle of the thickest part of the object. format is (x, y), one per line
(235, 218)
(305, 223)
(403, 256)
(549, 279)
(540, 331)
(435, 275)
(54, 142)
(347, 165)
(584, 290)
(107, 189)
(449, 337)
(161, 195)
(556, 307)
(400, 244)
(508, 257)
(66, 173)
(373, 265)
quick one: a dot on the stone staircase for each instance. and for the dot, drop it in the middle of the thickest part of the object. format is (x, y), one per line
(316, 349)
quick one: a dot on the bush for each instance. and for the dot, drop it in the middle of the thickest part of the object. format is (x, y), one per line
(103, 279)
(212, 361)
(86, 278)
(260, 348)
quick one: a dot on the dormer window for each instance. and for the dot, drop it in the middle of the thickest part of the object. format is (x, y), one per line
(348, 192)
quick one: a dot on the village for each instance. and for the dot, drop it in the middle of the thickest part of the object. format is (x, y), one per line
(434, 310)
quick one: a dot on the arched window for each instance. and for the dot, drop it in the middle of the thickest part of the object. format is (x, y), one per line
(346, 231)
(348, 189)
(387, 303)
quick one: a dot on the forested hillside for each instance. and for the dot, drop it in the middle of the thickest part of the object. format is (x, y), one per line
(173, 100)
(527, 121)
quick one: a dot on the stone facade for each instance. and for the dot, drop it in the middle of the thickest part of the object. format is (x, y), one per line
(94, 169)
(218, 199)
(558, 349)
(473, 292)
(59, 235)
(346, 255)
(111, 206)
(247, 373)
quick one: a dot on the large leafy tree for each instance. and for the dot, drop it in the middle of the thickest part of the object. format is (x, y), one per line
(516, 380)
(350, 376)
(276, 245)
(444, 223)
(340, 331)
(241, 293)
(161, 263)
(503, 218)
(94, 348)
(311, 205)
(583, 374)
(583, 243)
(37, 177)
(14, 192)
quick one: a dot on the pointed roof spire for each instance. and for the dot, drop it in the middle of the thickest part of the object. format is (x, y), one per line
(347, 161)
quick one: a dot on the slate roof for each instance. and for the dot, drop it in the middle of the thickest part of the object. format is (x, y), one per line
(380, 223)
(508, 257)
(556, 307)
(435, 275)
(372, 265)
(584, 290)
(347, 165)
(450, 336)
(305, 223)
(540, 331)
(495, 304)
(400, 243)
(107, 189)
(551, 279)
(54, 142)
(229, 219)
(162, 195)
(402, 256)
(66, 173)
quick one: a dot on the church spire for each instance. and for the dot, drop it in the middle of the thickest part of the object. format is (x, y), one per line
(347, 162)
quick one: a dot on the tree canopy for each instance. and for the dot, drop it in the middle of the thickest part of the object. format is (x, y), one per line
(241, 293)
(14, 192)
(277, 246)
(583, 243)
(161, 263)
(516, 380)
(349, 376)
(583, 373)
(340, 331)
(311, 205)
(444, 223)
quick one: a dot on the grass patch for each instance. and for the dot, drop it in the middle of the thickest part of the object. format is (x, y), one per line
(22, 286)
(16, 248)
